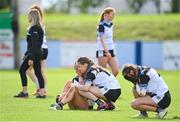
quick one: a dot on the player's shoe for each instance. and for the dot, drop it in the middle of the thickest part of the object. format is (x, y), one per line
(91, 104)
(41, 96)
(103, 106)
(111, 105)
(162, 114)
(142, 114)
(22, 95)
(36, 92)
(52, 105)
(56, 106)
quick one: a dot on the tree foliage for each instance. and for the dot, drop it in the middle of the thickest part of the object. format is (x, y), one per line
(135, 5)
(4, 4)
(83, 5)
(175, 6)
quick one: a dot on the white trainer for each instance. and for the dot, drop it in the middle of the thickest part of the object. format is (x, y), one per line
(162, 114)
(56, 107)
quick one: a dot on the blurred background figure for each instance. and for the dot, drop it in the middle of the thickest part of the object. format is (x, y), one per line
(44, 57)
(105, 51)
(33, 54)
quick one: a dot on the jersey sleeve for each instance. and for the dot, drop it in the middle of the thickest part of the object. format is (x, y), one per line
(75, 79)
(90, 77)
(36, 38)
(100, 30)
(144, 79)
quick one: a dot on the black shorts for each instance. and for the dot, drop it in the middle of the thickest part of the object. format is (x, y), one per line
(165, 101)
(113, 94)
(44, 53)
(102, 53)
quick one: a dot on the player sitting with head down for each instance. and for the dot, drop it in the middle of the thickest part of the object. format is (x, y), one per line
(99, 84)
(150, 91)
(71, 96)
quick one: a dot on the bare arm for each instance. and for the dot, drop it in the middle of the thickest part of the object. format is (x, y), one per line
(83, 87)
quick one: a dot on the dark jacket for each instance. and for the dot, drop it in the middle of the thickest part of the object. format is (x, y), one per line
(34, 40)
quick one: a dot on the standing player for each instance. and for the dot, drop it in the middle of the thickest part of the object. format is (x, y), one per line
(150, 90)
(33, 56)
(30, 72)
(105, 51)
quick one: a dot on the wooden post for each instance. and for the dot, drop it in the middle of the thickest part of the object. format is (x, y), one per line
(15, 28)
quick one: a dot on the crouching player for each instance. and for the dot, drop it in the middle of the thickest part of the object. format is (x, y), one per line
(150, 91)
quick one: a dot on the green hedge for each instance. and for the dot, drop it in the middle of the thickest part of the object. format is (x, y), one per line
(126, 27)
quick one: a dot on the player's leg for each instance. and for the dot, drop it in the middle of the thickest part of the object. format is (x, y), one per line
(109, 96)
(37, 70)
(73, 99)
(144, 103)
(33, 77)
(114, 66)
(102, 59)
(43, 73)
(96, 91)
(91, 96)
(142, 114)
(78, 102)
(67, 85)
(22, 70)
(162, 102)
(69, 95)
(31, 74)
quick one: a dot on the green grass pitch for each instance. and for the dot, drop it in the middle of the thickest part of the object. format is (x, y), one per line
(32, 109)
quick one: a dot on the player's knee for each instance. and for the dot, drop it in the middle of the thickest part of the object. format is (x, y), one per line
(134, 104)
(72, 88)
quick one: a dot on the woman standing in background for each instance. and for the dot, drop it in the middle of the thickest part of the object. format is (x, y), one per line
(105, 51)
(44, 46)
(33, 56)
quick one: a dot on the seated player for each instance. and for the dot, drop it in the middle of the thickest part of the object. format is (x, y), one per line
(99, 84)
(71, 96)
(150, 90)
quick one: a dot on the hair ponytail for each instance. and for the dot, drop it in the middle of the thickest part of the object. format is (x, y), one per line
(106, 11)
(35, 15)
(83, 60)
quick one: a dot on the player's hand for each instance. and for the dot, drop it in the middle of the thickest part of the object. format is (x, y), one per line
(30, 62)
(108, 55)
